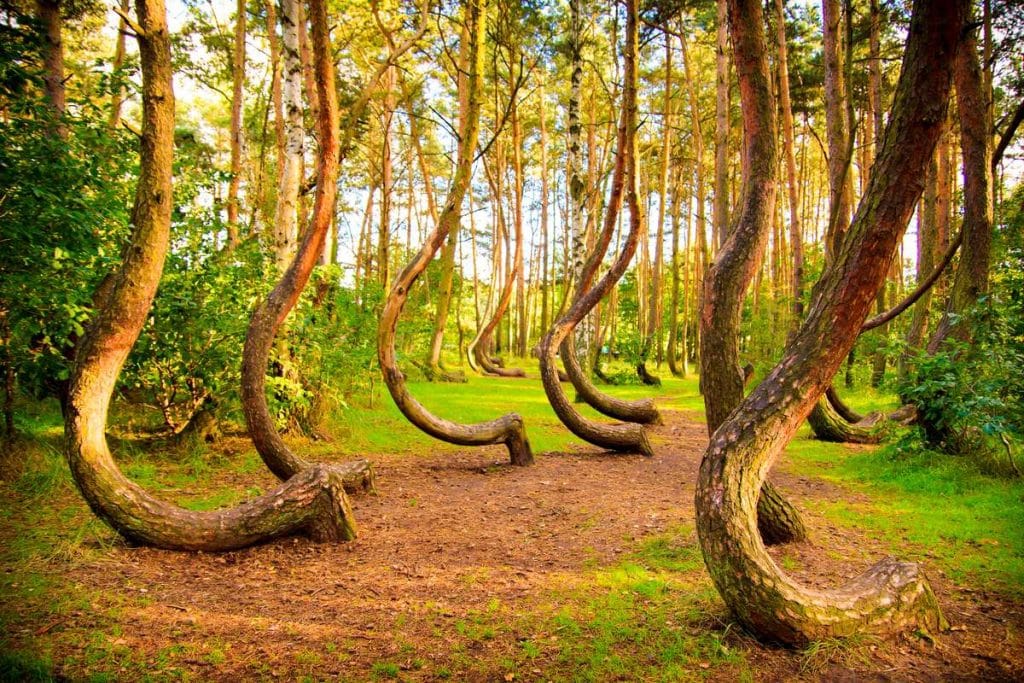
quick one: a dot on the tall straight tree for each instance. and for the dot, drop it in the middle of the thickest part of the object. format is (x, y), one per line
(890, 596)
(720, 211)
(237, 135)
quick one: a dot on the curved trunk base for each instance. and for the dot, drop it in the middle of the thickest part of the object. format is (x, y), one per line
(494, 366)
(845, 411)
(623, 438)
(642, 412)
(828, 425)
(646, 377)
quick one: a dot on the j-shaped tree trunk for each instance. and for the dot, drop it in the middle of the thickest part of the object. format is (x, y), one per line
(891, 595)
(312, 502)
(480, 347)
(642, 411)
(508, 429)
(727, 280)
(619, 437)
(271, 313)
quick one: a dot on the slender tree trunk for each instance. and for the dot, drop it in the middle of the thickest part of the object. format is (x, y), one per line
(971, 279)
(387, 184)
(545, 310)
(117, 98)
(838, 134)
(654, 311)
(313, 502)
(796, 237)
(890, 596)
(720, 210)
(290, 179)
(237, 134)
(508, 429)
(620, 437)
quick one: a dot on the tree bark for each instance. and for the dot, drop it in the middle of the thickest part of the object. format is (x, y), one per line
(838, 134)
(796, 235)
(619, 437)
(971, 280)
(508, 429)
(720, 208)
(892, 595)
(726, 282)
(237, 134)
(268, 317)
(290, 178)
(313, 502)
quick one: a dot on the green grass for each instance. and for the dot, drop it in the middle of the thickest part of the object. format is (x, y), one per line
(652, 616)
(925, 506)
(380, 428)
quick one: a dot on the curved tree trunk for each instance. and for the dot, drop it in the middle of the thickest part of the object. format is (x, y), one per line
(891, 595)
(271, 313)
(619, 437)
(508, 429)
(642, 411)
(727, 280)
(312, 502)
(829, 424)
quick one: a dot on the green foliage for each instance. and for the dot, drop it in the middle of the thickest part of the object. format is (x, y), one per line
(63, 216)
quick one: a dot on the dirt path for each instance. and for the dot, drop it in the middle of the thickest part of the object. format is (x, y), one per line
(452, 535)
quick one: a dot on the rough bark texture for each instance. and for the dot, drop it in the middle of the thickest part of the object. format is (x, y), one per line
(727, 280)
(313, 502)
(508, 429)
(892, 595)
(619, 437)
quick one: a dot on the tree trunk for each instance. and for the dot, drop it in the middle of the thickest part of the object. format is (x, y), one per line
(313, 502)
(838, 135)
(290, 178)
(508, 429)
(796, 235)
(720, 209)
(890, 596)
(117, 97)
(726, 282)
(237, 134)
(620, 437)
(545, 306)
(654, 310)
(971, 280)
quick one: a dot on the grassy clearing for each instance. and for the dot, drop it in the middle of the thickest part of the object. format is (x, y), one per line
(652, 615)
(949, 511)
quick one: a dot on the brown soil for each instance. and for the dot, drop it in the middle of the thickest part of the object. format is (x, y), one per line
(448, 535)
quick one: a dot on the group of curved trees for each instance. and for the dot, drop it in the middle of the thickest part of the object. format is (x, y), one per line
(738, 511)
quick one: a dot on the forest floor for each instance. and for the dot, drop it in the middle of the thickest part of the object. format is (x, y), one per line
(584, 566)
